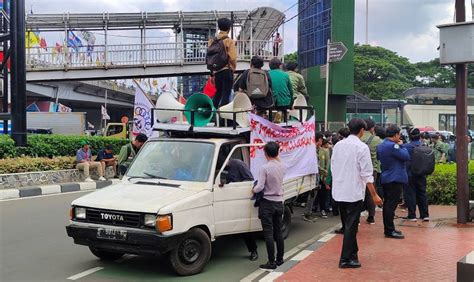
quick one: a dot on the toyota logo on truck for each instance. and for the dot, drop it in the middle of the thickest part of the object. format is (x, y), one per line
(114, 217)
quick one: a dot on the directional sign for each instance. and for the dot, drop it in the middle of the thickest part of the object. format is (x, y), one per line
(337, 50)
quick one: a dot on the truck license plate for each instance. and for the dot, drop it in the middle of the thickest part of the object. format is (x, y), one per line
(112, 234)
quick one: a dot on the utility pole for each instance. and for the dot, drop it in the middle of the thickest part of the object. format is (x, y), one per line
(461, 130)
(18, 72)
(367, 22)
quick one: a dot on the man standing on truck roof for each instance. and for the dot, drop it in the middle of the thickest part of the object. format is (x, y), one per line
(270, 211)
(129, 151)
(85, 163)
(352, 171)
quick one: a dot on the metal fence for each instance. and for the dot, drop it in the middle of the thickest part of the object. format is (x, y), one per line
(135, 55)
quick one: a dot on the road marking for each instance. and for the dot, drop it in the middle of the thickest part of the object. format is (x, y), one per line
(44, 196)
(326, 238)
(302, 255)
(84, 273)
(271, 277)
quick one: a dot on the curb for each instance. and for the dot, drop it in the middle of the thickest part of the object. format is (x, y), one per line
(6, 194)
(312, 245)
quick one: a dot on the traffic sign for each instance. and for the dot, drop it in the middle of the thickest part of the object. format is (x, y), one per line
(337, 50)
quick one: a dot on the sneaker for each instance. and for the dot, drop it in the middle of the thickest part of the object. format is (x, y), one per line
(269, 266)
(379, 209)
(88, 179)
(309, 217)
(279, 262)
(324, 214)
(102, 178)
(409, 219)
(370, 220)
(426, 219)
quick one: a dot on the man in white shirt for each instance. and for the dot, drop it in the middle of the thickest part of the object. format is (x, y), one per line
(352, 171)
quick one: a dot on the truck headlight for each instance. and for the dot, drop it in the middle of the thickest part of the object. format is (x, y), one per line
(80, 213)
(164, 223)
(150, 220)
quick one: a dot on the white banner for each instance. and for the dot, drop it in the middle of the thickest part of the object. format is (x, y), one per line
(297, 146)
(142, 122)
(105, 115)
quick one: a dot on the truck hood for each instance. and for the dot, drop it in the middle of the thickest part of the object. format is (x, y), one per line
(134, 197)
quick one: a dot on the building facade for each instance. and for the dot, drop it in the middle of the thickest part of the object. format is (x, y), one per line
(320, 20)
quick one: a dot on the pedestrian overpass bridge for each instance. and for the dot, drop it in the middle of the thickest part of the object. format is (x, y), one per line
(252, 32)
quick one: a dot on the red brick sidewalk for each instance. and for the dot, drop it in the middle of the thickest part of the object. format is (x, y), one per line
(429, 252)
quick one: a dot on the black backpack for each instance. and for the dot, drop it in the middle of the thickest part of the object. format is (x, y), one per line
(422, 160)
(216, 56)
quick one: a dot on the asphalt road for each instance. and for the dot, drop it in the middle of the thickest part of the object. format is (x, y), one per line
(34, 247)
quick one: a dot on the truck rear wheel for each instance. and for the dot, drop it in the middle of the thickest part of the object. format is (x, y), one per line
(286, 222)
(192, 253)
(105, 255)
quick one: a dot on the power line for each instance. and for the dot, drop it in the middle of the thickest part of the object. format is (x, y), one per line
(293, 6)
(299, 13)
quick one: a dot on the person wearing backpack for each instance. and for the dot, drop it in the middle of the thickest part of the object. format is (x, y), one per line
(422, 163)
(129, 151)
(372, 141)
(221, 60)
(256, 83)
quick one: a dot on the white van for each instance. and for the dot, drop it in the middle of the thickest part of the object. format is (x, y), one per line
(174, 200)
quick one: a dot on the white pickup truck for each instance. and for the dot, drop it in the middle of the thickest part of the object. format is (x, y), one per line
(174, 200)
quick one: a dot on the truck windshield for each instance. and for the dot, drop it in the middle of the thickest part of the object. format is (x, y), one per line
(174, 160)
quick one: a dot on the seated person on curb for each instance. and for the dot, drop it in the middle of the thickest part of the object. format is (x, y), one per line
(106, 158)
(129, 151)
(84, 162)
(238, 171)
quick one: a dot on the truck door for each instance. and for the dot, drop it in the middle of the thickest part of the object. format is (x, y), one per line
(234, 211)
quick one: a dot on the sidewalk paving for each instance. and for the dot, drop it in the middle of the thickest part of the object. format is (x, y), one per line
(429, 252)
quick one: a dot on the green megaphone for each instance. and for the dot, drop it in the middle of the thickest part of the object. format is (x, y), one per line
(203, 109)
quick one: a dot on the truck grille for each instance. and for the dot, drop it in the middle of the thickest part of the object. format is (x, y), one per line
(113, 218)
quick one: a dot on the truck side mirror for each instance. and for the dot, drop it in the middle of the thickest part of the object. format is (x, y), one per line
(223, 178)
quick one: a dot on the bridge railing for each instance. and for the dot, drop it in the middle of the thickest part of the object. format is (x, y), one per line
(136, 55)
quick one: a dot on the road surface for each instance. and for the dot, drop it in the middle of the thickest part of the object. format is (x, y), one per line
(34, 247)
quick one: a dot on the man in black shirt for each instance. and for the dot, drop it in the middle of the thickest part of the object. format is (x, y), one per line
(238, 171)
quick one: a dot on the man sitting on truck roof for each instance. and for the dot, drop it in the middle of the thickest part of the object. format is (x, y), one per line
(84, 162)
(129, 151)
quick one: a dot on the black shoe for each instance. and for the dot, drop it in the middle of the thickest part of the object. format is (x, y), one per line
(352, 263)
(370, 220)
(269, 266)
(339, 231)
(279, 262)
(395, 235)
(253, 256)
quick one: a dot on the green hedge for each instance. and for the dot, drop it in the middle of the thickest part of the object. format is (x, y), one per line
(29, 164)
(41, 145)
(441, 185)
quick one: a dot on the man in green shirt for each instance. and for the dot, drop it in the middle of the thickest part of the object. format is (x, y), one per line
(129, 151)
(372, 141)
(281, 86)
(297, 81)
(440, 149)
(324, 161)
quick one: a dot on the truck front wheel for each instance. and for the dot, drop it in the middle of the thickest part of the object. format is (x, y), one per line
(192, 253)
(105, 255)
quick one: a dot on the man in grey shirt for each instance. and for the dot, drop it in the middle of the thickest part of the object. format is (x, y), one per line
(270, 212)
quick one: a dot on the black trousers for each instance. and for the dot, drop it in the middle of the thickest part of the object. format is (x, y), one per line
(369, 204)
(323, 197)
(350, 214)
(391, 192)
(224, 81)
(249, 239)
(416, 195)
(270, 214)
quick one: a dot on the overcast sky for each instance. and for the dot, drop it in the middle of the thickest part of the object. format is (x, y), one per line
(405, 26)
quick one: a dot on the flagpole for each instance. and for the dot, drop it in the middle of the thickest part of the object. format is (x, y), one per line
(105, 106)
